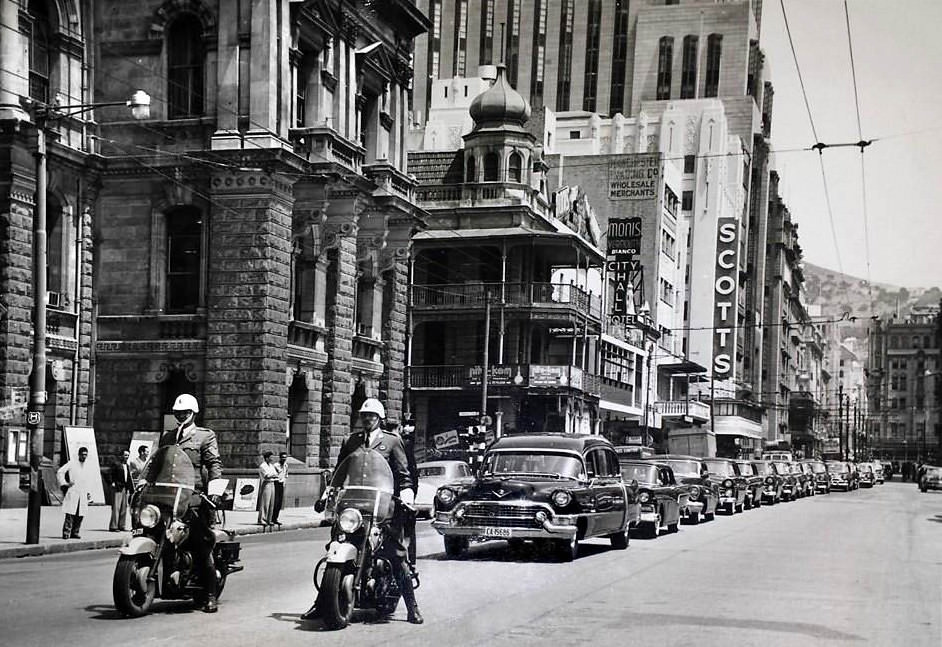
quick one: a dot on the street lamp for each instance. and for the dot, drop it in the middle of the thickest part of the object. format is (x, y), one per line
(41, 113)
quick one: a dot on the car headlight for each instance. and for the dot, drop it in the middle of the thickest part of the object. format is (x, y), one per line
(149, 516)
(350, 520)
(446, 496)
(644, 497)
(728, 483)
(694, 493)
(561, 498)
(769, 480)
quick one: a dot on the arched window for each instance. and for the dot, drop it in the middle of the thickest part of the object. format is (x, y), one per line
(185, 68)
(514, 167)
(39, 58)
(470, 172)
(490, 167)
(713, 54)
(184, 259)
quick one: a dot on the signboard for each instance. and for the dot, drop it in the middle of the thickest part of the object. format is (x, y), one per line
(143, 438)
(624, 236)
(498, 375)
(832, 446)
(634, 177)
(246, 495)
(17, 446)
(725, 287)
(75, 437)
(548, 375)
(446, 439)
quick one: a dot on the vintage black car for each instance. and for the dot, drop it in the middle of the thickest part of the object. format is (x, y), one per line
(731, 484)
(819, 475)
(789, 480)
(659, 494)
(932, 479)
(841, 475)
(702, 494)
(755, 483)
(556, 489)
(804, 483)
(772, 479)
(865, 474)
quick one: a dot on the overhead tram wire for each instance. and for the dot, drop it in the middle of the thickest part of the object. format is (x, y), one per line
(863, 145)
(819, 146)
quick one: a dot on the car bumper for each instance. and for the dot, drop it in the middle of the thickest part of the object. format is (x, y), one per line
(934, 485)
(695, 507)
(561, 527)
(821, 486)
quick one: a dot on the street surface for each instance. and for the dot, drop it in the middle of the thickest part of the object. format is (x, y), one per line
(859, 568)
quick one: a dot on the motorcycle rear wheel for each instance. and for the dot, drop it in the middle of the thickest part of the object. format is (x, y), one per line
(128, 596)
(337, 596)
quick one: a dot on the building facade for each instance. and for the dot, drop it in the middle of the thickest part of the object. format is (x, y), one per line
(247, 243)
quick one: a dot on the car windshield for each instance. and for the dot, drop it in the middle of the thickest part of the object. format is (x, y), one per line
(818, 468)
(431, 471)
(866, 468)
(644, 474)
(685, 468)
(762, 468)
(720, 468)
(745, 469)
(839, 468)
(783, 468)
(507, 462)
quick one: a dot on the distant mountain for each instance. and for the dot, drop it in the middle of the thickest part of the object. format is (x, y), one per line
(838, 293)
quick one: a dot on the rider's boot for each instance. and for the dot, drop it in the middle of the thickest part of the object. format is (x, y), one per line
(210, 605)
(408, 595)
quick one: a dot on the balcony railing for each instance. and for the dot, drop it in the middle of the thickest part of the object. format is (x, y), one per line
(474, 295)
(306, 335)
(324, 144)
(679, 408)
(740, 409)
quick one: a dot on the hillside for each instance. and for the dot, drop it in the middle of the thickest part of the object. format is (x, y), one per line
(838, 293)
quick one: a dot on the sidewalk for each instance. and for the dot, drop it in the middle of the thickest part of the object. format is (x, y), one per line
(95, 532)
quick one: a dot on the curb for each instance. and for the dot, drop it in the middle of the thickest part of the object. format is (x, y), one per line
(37, 550)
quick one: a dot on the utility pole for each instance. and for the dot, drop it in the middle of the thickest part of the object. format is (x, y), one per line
(487, 343)
(840, 418)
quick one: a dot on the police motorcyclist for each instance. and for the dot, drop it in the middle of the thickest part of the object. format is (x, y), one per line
(390, 445)
(200, 446)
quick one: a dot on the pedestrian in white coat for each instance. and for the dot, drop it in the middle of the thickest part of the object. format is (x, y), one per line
(75, 479)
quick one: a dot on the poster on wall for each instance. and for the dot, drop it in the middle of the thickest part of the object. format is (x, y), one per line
(75, 437)
(246, 495)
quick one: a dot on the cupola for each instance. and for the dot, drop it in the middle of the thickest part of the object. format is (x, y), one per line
(499, 104)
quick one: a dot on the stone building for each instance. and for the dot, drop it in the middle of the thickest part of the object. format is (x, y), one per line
(248, 243)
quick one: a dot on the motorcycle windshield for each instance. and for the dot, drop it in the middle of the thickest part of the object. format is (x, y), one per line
(170, 480)
(364, 481)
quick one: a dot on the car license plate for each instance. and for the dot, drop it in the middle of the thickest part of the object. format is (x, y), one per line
(137, 532)
(496, 533)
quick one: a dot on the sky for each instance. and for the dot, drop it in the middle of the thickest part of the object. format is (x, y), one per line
(898, 61)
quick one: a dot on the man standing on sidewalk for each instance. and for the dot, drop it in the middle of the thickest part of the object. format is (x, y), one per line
(75, 480)
(281, 467)
(137, 464)
(121, 486)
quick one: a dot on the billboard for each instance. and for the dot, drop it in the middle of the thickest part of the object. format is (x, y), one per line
(634, 177)
(725, 288)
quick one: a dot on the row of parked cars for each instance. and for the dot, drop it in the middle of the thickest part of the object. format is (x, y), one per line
(558, 489)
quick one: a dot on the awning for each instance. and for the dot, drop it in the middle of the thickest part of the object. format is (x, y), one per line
(608, 405)
(684, 367)
(738, 432)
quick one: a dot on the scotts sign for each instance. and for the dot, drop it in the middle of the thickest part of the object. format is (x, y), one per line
(724, 298)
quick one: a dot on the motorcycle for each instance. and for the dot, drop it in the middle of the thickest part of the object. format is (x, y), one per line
(157, 560)
(357, 571)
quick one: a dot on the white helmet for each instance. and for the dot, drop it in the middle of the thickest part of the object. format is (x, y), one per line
(372, 405)
(186, 402)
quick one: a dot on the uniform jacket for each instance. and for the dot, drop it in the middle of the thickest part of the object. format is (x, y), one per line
(200, 446)
(390, 446)
(119, 481)
(78, 476)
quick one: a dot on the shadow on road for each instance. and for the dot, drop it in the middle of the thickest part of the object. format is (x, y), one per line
(937, 518)
(525, 552)
(815, 631)
(108, 612)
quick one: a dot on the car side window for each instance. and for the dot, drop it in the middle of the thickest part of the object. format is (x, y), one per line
(590, 464)
(613, 470)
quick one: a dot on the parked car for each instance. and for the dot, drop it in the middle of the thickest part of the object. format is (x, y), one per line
(556, 489)
(819, 475)
(660, 496)
(702, 493)
(774, 482)
(433, 475)
(865, 475)
(932, 479)
(840, 475)
(755, 483)
(878, 473)
(789, 480)
(805, 480)
(731, 484)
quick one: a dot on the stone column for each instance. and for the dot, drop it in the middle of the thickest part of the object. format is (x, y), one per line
(227, 78)
(14, 63)
(396, 276)
(263, 75)
(341, 245)
(246, 397)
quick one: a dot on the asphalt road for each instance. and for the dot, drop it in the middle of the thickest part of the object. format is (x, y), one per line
(846, 569)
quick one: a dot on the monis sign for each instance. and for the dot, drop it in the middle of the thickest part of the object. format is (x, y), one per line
(724, 296)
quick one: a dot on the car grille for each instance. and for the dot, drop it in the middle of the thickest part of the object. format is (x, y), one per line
(501, 515)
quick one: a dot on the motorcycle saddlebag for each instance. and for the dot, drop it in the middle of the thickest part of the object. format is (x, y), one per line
(228, 550)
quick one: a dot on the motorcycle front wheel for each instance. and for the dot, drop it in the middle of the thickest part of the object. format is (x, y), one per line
(133, 593)
(336, 596)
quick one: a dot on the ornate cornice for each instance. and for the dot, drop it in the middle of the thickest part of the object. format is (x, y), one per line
(151, 346)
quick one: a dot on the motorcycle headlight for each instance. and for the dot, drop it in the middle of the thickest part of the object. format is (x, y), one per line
(644, 497)
(561, 498)
(350, 520)
(446, 496)
(694, 493)
(149, 516)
